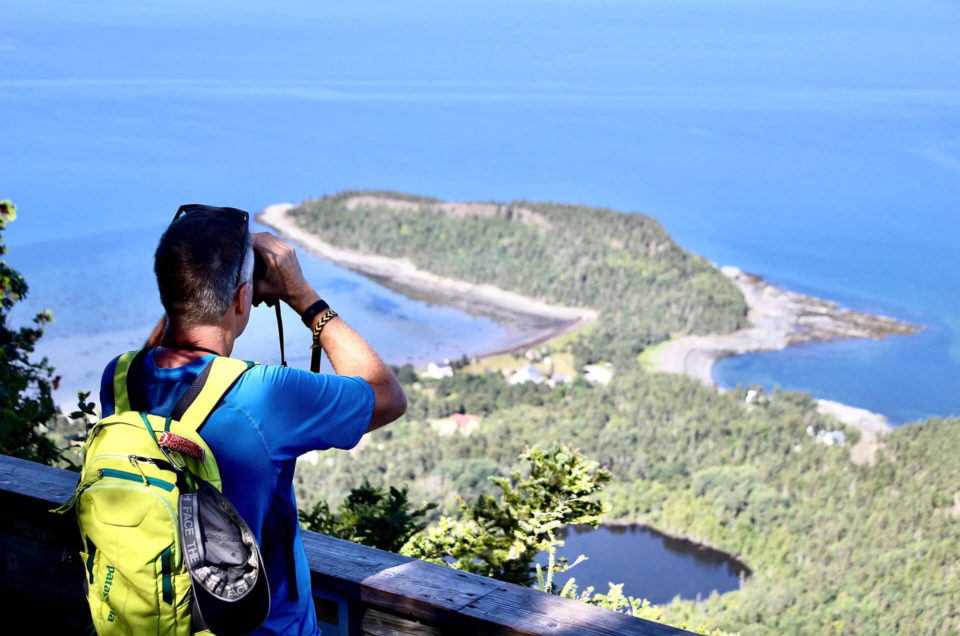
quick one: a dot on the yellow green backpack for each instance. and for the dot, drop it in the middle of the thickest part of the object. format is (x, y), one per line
(138, 470)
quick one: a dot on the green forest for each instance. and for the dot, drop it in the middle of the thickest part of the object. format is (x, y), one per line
(834, 546)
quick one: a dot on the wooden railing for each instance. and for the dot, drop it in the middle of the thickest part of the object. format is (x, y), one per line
(357, 590)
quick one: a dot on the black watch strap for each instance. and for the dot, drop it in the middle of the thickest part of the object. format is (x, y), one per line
(313, 311)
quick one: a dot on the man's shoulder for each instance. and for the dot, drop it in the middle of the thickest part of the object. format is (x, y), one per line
(112, 364)
(297, 411)
(266, 378)
(261, 373)
(296, 379)
(106, 378)
(288, 388)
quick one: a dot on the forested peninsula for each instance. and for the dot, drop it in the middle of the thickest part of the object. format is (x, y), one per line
(835, 545)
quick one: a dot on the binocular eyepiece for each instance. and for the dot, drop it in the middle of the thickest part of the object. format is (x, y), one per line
(259, 273)
(259, 266)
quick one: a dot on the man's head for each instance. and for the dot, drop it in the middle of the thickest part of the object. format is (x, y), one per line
(202, 260)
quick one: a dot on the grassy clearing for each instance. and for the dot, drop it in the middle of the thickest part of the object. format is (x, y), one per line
(495, 363)
(649, 358)
(564, 341)
(558, 363)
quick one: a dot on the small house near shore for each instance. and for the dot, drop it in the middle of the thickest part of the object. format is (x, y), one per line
(438, 371)
(598, 373)
(525, 374)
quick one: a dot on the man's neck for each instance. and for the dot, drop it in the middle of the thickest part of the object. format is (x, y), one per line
(182, 346)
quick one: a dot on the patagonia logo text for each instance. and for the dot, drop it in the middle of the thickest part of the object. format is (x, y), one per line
(107, 583)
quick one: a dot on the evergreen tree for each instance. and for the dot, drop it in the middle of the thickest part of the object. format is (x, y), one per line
(26, 404)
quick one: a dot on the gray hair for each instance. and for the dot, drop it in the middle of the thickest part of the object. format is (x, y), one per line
(201, 261)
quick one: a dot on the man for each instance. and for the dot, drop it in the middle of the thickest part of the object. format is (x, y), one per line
(204, 265)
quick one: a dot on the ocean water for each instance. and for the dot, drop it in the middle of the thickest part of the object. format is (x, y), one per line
(815, 144)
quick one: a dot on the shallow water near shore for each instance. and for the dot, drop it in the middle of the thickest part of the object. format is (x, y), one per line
(103, 295)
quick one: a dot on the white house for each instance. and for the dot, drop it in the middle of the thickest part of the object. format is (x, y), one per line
(311, 456)
(832, 437)
(437, 371)
(598, 373)
(526, 374)
(828, 437)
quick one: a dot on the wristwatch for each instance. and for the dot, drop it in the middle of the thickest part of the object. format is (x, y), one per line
(313, 311)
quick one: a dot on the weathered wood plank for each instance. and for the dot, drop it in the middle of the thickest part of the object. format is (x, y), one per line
(425, 590)
(36, 481)
(522, 610)
(346, 560)
(377, 623)
(443, 595)
(40, 574)
(391, 581)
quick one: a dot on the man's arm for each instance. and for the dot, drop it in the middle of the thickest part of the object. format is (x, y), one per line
(349, 353)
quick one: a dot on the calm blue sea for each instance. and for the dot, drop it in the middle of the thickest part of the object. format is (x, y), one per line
(814, 143)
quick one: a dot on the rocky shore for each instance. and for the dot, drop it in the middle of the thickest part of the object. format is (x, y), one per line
(780, 319)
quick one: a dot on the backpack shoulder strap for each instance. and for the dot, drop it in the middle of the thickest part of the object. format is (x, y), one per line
(128, 388)
(205, 394)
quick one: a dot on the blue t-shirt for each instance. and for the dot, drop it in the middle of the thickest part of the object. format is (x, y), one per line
(270, 417)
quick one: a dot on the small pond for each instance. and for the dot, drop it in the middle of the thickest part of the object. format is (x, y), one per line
(649, 564)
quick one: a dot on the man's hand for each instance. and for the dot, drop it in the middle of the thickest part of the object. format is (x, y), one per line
(284, 279)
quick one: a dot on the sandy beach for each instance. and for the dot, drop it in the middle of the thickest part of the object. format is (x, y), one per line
(535, 322)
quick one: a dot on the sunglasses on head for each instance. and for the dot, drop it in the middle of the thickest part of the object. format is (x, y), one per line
(242, 216)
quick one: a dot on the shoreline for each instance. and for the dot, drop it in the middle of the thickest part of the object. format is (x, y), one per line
(780, 319)
(536, 322)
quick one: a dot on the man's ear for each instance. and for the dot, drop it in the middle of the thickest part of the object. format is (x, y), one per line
(243, 298)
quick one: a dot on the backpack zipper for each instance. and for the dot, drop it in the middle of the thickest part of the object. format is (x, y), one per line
(122, 474)
(162, 464)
